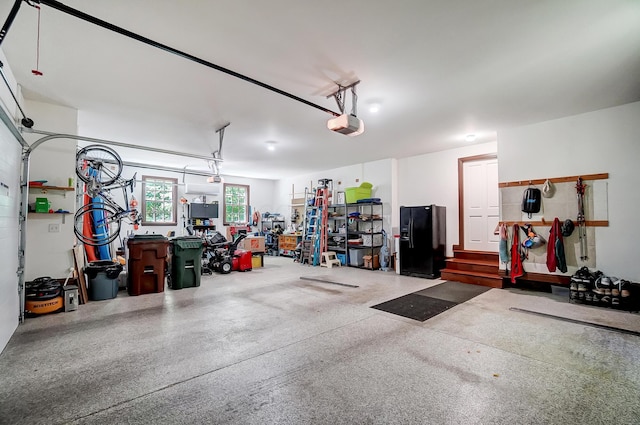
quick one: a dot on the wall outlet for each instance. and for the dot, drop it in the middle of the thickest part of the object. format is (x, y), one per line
(54, 228)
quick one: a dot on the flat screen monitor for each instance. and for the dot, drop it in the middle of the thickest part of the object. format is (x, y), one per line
(204, 210)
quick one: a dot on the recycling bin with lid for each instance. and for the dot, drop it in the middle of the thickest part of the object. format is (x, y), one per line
(186, 262)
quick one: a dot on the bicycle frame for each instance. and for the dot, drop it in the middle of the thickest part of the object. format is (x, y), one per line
(104, 192)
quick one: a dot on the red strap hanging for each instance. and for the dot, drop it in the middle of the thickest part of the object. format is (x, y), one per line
(516, 261)
(555, 233)
(37, 71)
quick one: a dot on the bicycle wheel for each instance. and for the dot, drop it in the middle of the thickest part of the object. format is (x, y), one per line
(105, 224)
(99, 162)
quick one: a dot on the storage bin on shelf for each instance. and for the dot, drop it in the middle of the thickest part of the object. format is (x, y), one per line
(186, 262)
(147, 260)
(371, 240)
(356, 257)
(352, 194)
(42, 205)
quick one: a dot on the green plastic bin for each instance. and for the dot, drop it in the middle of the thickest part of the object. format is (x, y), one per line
(186, 263)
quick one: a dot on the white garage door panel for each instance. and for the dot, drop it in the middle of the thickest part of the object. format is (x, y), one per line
(9, 235)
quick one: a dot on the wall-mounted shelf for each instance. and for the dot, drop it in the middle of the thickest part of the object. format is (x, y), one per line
(45, 189)
(64, 188)
(37, 215)
(592, 223)
(601, 176)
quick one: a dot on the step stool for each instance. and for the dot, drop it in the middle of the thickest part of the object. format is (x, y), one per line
(330, 259)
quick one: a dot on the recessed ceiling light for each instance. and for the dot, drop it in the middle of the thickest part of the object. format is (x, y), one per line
(375, 107)
(271, 145)
(470, 137)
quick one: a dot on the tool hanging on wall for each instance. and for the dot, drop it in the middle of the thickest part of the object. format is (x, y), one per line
(582, 225)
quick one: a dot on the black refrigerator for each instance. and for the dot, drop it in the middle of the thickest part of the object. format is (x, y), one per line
(422, 241)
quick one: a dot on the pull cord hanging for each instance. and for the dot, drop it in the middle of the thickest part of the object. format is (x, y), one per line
(36, 71)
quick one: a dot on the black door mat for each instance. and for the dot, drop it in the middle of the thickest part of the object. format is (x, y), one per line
(416, 307)
(454, 291)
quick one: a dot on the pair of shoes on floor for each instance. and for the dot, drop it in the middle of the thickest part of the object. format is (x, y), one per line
(580, 285)
(620, 289)
(602, 289)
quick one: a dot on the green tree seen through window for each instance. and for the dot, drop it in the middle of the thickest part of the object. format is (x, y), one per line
(159, 205)
(236, 203)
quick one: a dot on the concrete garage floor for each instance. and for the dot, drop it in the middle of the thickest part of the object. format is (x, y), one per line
(265, 347)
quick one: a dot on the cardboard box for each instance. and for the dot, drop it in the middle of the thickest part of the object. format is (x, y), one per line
(252, 243)
(371, 262)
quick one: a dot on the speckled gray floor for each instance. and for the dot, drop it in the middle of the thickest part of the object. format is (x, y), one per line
(266, 347)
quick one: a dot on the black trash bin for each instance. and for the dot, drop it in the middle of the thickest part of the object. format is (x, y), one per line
(103, 279)
(186, 262)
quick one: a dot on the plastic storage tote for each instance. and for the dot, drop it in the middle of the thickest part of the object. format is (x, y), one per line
(356, 257)
(146, 265)
(353, 194)
(103, 279)
(186, 262)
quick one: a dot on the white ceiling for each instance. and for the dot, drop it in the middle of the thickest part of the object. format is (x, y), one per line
(439, 69)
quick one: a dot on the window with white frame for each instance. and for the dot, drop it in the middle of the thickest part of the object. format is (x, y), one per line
(236, 203)
(159, 206)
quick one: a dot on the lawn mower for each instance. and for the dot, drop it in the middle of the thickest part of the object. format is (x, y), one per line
(222, 256)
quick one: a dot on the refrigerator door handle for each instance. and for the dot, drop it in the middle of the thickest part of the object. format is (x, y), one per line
(411, 233)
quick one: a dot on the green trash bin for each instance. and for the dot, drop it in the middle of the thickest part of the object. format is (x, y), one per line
(186, 263)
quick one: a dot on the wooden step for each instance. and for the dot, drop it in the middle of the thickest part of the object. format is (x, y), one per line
(492, 280)
(473, 265)
(477, 255)
(553, 279)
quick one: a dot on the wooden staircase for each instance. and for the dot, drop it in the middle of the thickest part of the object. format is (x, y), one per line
(475, 267)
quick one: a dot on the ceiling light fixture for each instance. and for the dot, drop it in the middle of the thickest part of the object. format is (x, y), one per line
(470, 137)
(271, 145)
(348, 124)
(375, 107)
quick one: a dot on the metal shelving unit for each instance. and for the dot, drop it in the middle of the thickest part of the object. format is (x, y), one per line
(367, 226)
(337, 226)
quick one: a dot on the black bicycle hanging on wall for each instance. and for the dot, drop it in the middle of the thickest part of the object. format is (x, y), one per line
(99, 220)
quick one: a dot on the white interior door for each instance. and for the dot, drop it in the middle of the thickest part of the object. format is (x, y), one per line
(481, 205)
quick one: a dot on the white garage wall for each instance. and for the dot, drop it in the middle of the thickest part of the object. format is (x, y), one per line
(595, 142)
(261, 194)
(433, 179)
(378, 173)
(49, 254)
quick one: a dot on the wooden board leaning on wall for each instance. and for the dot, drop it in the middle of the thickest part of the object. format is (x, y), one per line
(567, 179)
